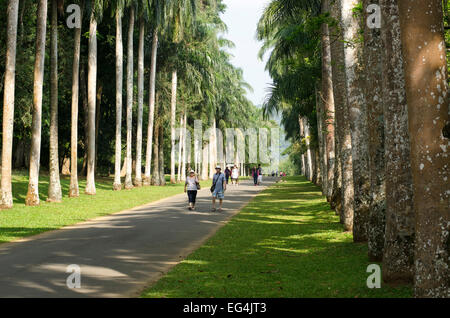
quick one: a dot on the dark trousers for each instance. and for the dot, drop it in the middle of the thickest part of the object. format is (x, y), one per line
(192, 195)
(255, 178)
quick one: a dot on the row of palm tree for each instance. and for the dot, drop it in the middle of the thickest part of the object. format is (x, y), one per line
(188, 66)
(367, 111)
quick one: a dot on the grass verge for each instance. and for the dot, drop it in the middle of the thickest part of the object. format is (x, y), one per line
(22, 221)
(284, 243)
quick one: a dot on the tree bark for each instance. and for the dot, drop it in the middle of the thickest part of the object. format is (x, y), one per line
(328, 101)
(428, 111)
(119, 99)
(138, 177)
(340, 96)
(8, 104)
(360, 142)
(92, 94)
(373, 50)
(398, 256)
(74, 188)
(130, 57)
(54, 188)
(184, 154)
(162, 176)
(151, 108)
(345, 55)
(156, 179)
(180, 148)
(173, 105)
(32, 198)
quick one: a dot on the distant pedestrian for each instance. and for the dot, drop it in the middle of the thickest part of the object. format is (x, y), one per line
(235, 175)
(191, 186)
(255, 175)
(227, 173)
(259, 174)
(218, 188)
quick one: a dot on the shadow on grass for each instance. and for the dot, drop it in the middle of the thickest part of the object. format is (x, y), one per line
(285, 243)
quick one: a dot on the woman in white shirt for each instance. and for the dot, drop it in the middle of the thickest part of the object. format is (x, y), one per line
(235, 175)
(191, 186)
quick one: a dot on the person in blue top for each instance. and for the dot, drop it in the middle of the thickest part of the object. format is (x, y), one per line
(219, 186)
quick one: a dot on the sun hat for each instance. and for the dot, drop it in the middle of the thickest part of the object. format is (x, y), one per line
(218, 167)
(192, 171)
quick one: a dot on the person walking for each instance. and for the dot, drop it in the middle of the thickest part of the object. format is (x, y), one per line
(219, 186)
(191, 186)
(259, 174)
(235, 176)
(255, 175)
(227, 173)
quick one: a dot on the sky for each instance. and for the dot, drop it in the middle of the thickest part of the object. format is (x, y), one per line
(241, 17)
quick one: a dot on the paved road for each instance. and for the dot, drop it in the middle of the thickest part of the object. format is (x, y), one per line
(119, 255)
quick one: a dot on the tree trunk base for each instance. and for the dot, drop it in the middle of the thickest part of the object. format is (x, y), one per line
(138, 183)
(90, 190)
(74, 192)
(6, 200)
(129, 185)
(146, 181)
(32, 198)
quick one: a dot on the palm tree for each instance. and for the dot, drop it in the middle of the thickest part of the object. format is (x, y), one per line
(328, 102)
(173, 104)
(119, 83)
(138, 177)
(398, 254)
(423, 40)
(32, 198)
(96, 9)
(373, 49)
(54, 188)
(157, 14)
(73, 189)
(130, 58)
(8, 104)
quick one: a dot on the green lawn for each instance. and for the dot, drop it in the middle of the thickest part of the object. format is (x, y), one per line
(285, 243)
(22, 221)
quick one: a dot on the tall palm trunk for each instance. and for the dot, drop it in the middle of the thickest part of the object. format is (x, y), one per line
(339, 96)
(373, 49)
(8, 104)
(138, 177)
(328, 101)
(92, 95)
(429, 128)
(128, 180)
(32, 198)
(309, 159)
(180, 148)
(357, 108)
(398, 256)
(162, 176)
(119, 87)
(151, 111)
(205, 156)
(342, 56)
(184, 155)
(73, 188)
(173, 105)
(302, 134)
(54, 188)
(156, 180)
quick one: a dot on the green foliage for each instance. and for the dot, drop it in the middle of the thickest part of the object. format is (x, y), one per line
(291, 30)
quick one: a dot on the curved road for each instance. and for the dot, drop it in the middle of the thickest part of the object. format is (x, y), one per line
(119, 255)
